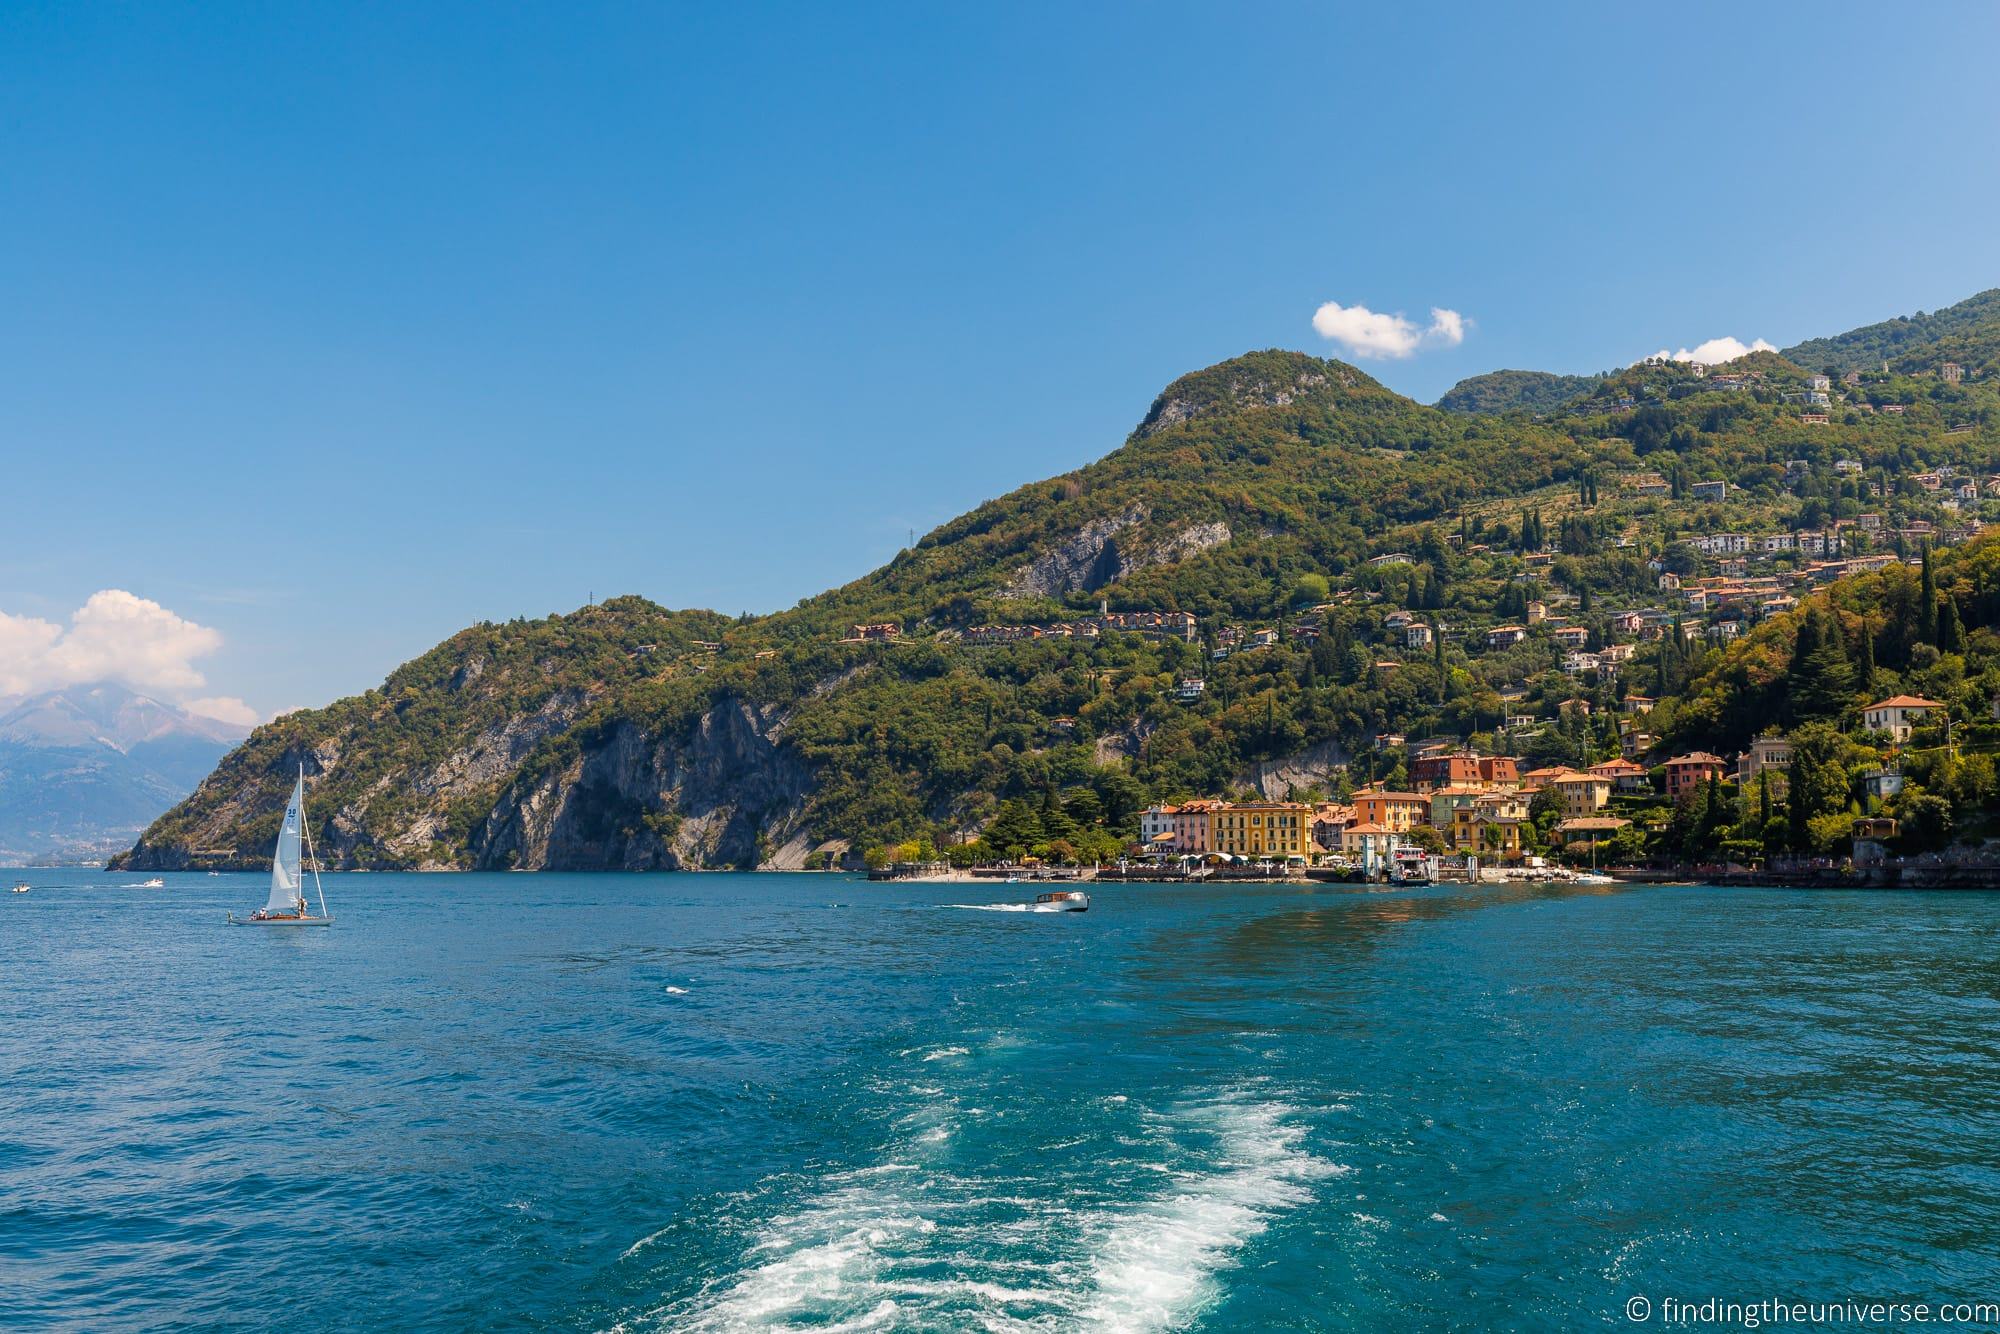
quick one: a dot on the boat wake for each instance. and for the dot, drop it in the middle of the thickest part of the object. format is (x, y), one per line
(912, 1242)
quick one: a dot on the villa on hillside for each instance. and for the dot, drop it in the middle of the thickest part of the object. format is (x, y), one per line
(1898, 714)
(1685, 773)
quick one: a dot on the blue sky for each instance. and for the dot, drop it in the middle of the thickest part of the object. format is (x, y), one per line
(332, 329)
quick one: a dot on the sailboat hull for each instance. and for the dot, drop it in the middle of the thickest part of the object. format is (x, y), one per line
(280, 921)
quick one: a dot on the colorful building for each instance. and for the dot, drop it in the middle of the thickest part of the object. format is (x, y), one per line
(1690, 771)
(1261, 829)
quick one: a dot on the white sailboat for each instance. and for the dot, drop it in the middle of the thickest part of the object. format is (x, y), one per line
(287, 905)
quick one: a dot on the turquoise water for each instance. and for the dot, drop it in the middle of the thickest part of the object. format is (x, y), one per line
(722, 1102)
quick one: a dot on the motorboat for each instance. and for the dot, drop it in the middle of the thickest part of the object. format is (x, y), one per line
(20, 887)
(1062, 900)
(154, 883)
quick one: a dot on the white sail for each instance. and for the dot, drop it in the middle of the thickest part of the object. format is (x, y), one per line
(286, 884)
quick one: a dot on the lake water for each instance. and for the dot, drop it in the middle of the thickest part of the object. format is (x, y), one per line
(729, 1101)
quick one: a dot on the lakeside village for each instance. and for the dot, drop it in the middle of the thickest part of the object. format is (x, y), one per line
(1450, 812)
(1467, 817)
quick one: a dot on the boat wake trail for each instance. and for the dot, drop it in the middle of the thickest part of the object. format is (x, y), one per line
(941, 1236)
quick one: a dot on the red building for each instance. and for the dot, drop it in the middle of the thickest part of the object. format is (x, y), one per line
(1690, 771)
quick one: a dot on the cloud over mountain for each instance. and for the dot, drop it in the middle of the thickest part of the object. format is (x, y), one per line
(1716, 351)
(114, 636)
(1368, 333)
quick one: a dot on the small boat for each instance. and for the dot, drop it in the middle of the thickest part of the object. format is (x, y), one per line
(1063, 900)
(20, 887)
(154, 883)
(287, 905)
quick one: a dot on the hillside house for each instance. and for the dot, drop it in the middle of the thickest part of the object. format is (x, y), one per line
(1581, 794)
(1687, 772)
(1709, 492)
(1951, 372)
(1766, 755)
(1898, 714)
(1624, 775)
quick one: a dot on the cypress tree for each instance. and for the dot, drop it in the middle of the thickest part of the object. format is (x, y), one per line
(1927, 610)
(1951, 631)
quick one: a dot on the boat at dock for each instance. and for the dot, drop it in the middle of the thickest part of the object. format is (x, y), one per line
(1062, 900)
(287, 905)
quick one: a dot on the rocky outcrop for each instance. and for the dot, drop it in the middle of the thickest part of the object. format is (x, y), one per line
(720, 796)
(1189, 541)
(1277, 779)
(1087, 560)
(1106, 550)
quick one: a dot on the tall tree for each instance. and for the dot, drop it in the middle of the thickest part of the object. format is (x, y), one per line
(1927, 611)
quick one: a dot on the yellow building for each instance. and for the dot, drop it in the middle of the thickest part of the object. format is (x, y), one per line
(1259, 829)
(1582, 795)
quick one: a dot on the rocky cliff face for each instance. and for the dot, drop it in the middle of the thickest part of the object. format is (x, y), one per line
(725, 795)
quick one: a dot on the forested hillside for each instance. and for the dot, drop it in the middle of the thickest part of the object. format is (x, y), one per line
(1967, 333)
(1302, 513)
(1511, 391)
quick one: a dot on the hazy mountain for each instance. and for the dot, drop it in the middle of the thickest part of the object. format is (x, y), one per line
(83, 770)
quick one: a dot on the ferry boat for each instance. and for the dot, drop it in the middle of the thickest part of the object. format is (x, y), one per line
(1413, 866)
(287, 905)
(1063, 900)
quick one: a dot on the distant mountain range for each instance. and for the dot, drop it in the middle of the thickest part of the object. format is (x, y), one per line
(83, 770)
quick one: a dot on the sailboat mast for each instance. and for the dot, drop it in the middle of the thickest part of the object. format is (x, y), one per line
(305, 827)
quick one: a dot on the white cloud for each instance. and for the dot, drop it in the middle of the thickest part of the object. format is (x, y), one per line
(1367, 333)
(1447, 326)
(1716, 351)
(225, 709)
(113, 636)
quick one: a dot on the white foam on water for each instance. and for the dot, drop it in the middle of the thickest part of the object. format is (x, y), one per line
(824, 1255)
(1154, 1265)
(677, 991)
(991, 907)
(944, 1053)
(910, 1243)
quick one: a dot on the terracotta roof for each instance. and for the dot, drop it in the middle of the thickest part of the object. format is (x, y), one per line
(1698, 757)
(1369, 829)
(1592, 824)
(1906, 702)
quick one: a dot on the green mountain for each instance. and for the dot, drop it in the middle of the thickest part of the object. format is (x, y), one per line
(1275, 492)
(1517, 391)
(1967, 333)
